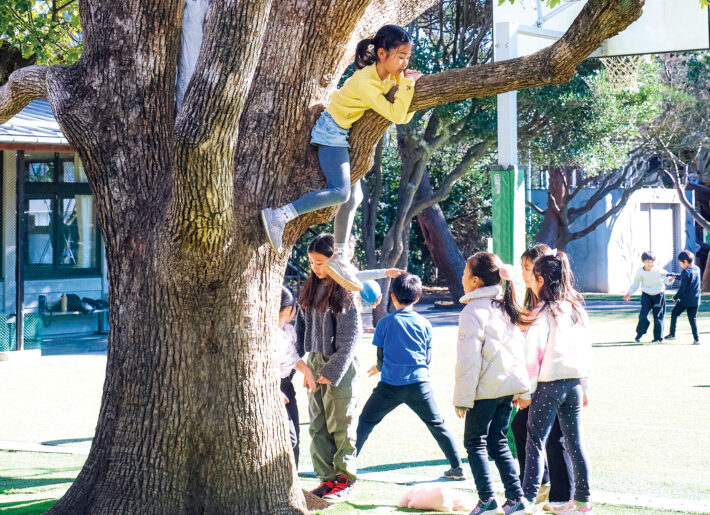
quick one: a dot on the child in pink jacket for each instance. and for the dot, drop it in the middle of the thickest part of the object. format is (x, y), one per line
(559, 363)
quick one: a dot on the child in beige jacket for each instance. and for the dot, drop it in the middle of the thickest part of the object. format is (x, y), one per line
(490, 370)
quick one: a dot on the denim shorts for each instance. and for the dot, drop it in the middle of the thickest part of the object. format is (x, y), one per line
(328, 133)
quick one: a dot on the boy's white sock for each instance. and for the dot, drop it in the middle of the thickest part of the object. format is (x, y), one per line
(288, 212)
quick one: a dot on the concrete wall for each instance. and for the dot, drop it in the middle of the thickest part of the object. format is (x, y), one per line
(94, 287)
(606, 259)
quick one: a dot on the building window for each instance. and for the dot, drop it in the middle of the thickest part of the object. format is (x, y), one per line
(62, 239)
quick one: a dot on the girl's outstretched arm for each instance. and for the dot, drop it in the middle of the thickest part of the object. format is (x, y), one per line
(396, 111)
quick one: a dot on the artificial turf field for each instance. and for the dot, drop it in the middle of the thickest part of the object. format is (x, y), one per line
(645, 430)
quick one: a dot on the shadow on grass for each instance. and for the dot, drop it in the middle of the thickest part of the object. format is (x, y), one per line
(620, 344)
(62, 442)
(12, 483)
(348, 507)
(27, 507)
(404, 465)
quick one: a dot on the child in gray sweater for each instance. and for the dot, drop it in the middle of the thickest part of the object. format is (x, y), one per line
(328, 329)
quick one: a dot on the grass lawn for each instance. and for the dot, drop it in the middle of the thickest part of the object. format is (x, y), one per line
(645, 429)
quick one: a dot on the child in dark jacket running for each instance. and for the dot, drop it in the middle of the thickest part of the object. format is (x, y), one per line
(688, 295)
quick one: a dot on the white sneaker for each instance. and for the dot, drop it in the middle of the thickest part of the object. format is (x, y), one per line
(343, 273)
(274, 223)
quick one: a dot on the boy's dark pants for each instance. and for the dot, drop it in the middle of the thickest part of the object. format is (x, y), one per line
(484, 434)
(558, 466)
(419, 397)
(292, 410)
(657, 304)
(692, 315)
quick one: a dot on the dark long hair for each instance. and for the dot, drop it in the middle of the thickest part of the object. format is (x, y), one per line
(558, 285)
(388, 37)
(485, 266)
(533, 253)
(336, 298)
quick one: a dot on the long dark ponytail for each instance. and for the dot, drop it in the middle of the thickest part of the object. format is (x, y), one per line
(388, 37)
(558, 285)
(487, 267)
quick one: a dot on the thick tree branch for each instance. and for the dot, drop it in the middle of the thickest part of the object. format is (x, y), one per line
(23, 86)
(598, 21)
(551, 200)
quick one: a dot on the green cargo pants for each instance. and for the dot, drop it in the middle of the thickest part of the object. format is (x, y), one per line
(334, 415)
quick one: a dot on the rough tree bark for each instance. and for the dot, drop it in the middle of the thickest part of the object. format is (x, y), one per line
(190, 420)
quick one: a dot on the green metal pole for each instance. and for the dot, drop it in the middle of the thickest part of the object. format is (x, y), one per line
(508, 188)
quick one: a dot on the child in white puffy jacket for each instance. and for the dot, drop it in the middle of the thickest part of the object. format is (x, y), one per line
(490, 370)
(559, 363)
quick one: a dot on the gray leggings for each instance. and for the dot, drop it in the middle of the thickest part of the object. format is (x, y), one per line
(335, 163)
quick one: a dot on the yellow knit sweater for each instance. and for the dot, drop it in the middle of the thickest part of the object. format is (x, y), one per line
(365, 90)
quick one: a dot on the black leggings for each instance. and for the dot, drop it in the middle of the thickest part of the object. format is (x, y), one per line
(558, 467)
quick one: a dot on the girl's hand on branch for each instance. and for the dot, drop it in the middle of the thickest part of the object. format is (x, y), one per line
(413, 74)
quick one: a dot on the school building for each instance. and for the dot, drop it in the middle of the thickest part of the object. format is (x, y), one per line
(51, 244)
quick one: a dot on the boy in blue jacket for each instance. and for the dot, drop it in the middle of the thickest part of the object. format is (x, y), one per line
(403, 341)
(688, 295)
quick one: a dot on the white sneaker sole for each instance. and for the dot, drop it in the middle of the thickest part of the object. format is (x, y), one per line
(266, 224)
(345, 498)
(342, 281)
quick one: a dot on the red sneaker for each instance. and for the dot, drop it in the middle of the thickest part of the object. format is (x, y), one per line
(342, 491)
(324, 488)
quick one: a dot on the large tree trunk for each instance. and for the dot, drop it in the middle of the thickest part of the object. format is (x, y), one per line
(191, 420)
(441, 243)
